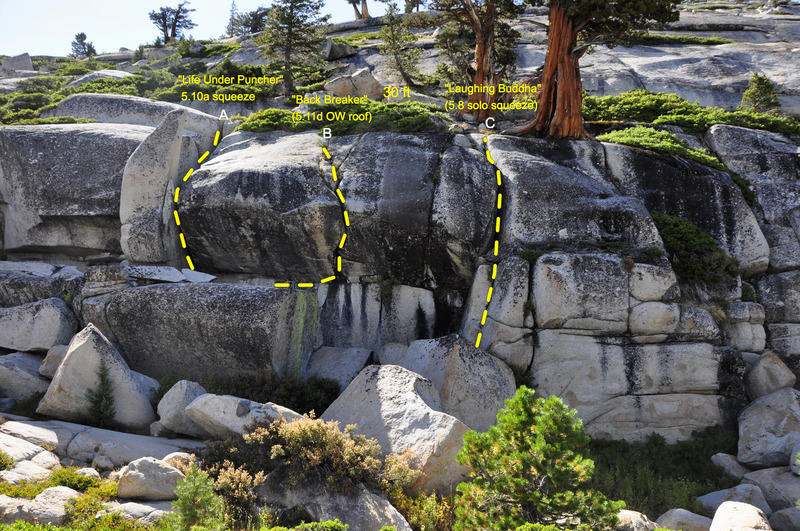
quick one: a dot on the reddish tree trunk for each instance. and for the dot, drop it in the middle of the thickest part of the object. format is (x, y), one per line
(484, 76)
(358, 13)
(364, 9)
(559, 114)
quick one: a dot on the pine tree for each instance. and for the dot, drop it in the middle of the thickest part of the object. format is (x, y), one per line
(171, 21)
(574, 27)
(397, 41)
(294, 34)
(230, 29)
(493, 39)
(102, 410)
(82, 49)
(760, 95)
(525, 467)
(197, 505)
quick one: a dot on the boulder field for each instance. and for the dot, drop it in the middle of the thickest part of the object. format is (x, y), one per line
(425, 322)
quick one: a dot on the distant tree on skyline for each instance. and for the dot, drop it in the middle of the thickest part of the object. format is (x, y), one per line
(171, 21)
(82, 49)
(364, 13)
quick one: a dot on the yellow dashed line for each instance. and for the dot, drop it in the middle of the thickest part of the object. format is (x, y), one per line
(177, 189)
(483, 320)
(339, 193)
(177, 219)
(497, 225)
(346, 219)
(494, 271)
(305, 285)
(496, 247)
(216, 138)
(324, 280)
(344, 239)
(499, 179)
(183, 241)
(333, 171)
(189, 261)
(203, 157)
(325, 150)
(499, 201)
(339, 264)
(489, 157)
(282, 284)
(478, 342)
(188, 173)
(489, 295)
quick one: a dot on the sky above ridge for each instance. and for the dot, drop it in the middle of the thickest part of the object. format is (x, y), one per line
(47, 27)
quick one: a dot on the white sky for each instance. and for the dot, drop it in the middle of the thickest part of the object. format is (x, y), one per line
(47, 27)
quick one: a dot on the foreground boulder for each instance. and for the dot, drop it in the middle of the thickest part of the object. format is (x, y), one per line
(473, 385)
(49, 507)
(744, 493)
(781, 487)
(77, 375)
(211, 330)
(402, 411)
(172, 409)
(683, 520)
(737, 516)
(37, 326)
(769, 428)
(357, 507)
(223, 416)
(148, 479)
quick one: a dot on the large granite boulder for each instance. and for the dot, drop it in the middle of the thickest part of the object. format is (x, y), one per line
(780, 295)
(259, 205)
(24, 282)
(715, 205)
(211, 330)
(683, 520)
(67, 396)
(557, 192)
(37, 326)
(149, 170)
(43, 177)
(626, 391)
(18, 62)
(744, 493)
(768, 375)
(781, 487)
(738, 516)
(771, 162)
(172, 409)
(473, 385)
(98, 74)
(769, 428)
(402, 411)
(117, 109)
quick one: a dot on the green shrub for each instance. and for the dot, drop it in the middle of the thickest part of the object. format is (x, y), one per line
(41, 84)
(694, 254)
(404, 117)
(651, 39)
(652, 477)
(329, 525)
(525, 467)
(197, 504)
(748, 293)
(426, 512)
(6, 461)
(760, 95)
(31, 101)
(643, 106)
(66, 477)
(102, 410)
(22, 118)
(124, 87)
(666, 142)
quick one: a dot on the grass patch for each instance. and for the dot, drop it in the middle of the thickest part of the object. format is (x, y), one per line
(666, 142)
(210, 51)
(403, 117)
(643, 106)
(356, 39)
(694, 254)
(69, 66)
(64, 477)
(652, 477)
(651, 39)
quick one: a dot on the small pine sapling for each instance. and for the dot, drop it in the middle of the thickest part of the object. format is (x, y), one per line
(102, 410)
